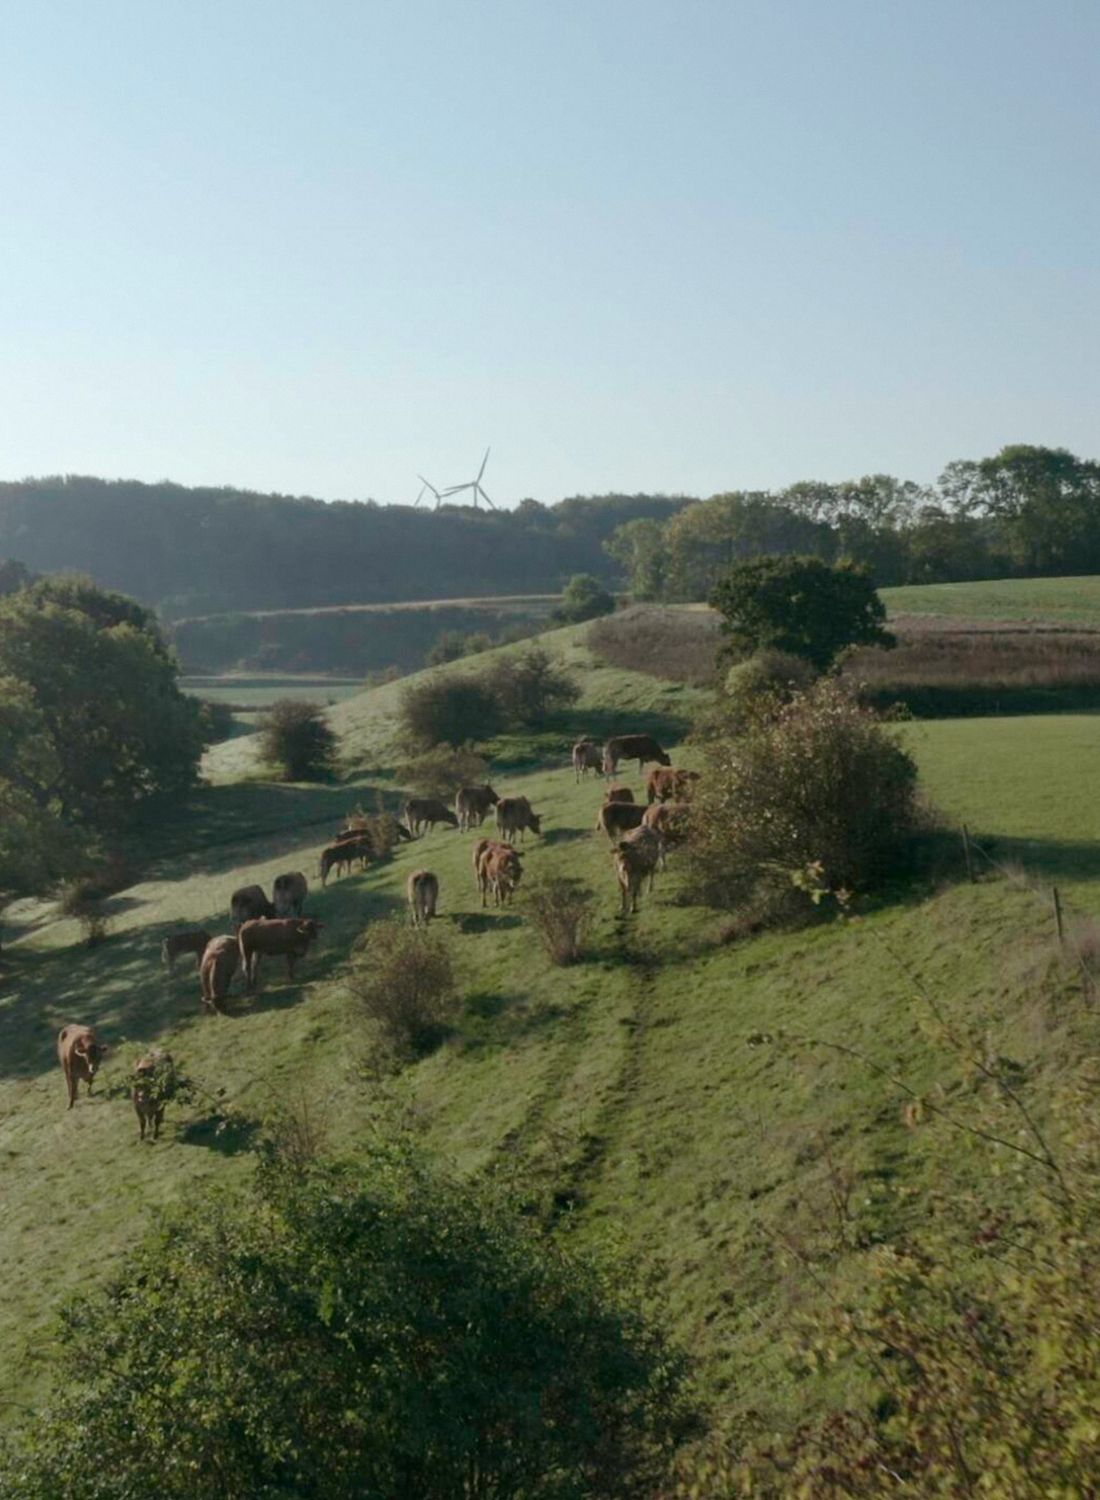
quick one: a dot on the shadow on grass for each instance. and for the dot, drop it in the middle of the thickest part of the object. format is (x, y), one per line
(500, 1018)
(1041, 859)
(565, 835)
(226, 1134)
(489, 920)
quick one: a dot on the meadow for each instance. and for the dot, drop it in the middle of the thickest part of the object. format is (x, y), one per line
(1063, 601)
(681, 1097)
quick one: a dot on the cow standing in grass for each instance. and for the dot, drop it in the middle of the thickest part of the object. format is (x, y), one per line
(426, 812)
(290, 892)
(617, 818)
(80, 1052)
(640, 747)
(670, 784)
(514, 815)
(286, 937)
(422, 889)
(587, 756)
(154, 1084)
(636, 858)
(216, 970)
(472, 805)
(183, 942)
(249, 904)
(500, 870)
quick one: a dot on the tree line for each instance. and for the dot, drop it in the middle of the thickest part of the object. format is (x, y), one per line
(1027, 511)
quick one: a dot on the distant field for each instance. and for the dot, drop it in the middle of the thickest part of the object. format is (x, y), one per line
(1069, 601)
(259, 691)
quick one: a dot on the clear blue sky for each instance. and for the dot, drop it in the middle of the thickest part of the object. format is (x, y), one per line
(317, 246)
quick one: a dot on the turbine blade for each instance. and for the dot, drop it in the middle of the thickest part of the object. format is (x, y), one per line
(485, 497)
(454, 489)
(484, 461)
(428, 485)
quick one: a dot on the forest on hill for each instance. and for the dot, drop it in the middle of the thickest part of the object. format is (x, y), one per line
(1026, 511)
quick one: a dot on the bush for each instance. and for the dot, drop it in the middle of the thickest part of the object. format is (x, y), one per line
(403, 981)
(529, 687)
(759, 687)
(823, 785)
(215, 720)
(560, 910)
(583, 598)
(297, 741)
(353, 1330)
(449, 711)
(83, 899)
(452, 645)
(440, 772)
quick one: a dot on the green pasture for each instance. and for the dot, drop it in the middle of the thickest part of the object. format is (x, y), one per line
(1061, 601)
(676, 1095)
(261, 691)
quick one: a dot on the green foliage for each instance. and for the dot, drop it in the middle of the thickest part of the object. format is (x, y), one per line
(441, 771)
(704, 540)
(449, 710)
(639, 548)
(820, 783)
(403, 981)
(14, 575)
(105, 722)
(297, 742)
(800, 605)
(529, 686)
(216, 720)
(583, 598)
(452, 645)
(757, 688)
(561, 909)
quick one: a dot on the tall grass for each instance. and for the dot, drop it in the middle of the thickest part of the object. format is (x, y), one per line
(676, 644)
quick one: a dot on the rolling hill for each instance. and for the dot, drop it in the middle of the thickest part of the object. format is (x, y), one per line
(699, 1103)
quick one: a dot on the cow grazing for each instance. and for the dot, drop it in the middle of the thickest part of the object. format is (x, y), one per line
(636, 859)
(183, 942)
(249, 904)
(670, 821)
(479, 849)
(343, 855)
(154, 1084)
(288, 937)
(289, 893)
(426, 812)
(617, 818)
(587, 756)
(80, 1052)
(514, 816)
(422, 889)
(619, 794)
(639, 747)
(216, 971)
(670, 784)
(472, 805)
(500, 870)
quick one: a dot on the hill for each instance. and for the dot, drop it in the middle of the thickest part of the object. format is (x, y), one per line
(655, 1093)
(1071, 602)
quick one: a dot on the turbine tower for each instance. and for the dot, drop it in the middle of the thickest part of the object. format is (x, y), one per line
(473, 484)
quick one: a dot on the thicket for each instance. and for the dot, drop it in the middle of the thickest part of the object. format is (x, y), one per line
(820, 786)
(403, 981)
(297, 741)
(344, 1331)
(440, 772)
(512, 691)
(560, 909)
(755, 689)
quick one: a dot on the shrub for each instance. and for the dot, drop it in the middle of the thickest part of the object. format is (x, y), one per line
(823, 784)
(454, 644)
(759, 687)
(402, 980)
(83, 899)
(296, 740)
(560, 910)
(529, 687)
(440, 772)
(802, 605)
(449, 711)
(215, 720)
(583, 598)
(351, 1330)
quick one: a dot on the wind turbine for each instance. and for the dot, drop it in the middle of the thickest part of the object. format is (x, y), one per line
(426, 484)
(474, 484)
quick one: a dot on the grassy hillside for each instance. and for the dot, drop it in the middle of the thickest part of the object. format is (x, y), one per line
(645, 1094)
(1068, 601)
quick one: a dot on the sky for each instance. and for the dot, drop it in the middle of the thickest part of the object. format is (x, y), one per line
(318, 247)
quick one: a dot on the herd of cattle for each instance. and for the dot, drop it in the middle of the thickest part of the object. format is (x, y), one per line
(639, 836)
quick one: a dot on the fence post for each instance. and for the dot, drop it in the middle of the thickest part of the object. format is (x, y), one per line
(969, 855)
(1057, 902)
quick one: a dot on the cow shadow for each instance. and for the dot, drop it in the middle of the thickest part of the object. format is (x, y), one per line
(565, 835)
(228, 1134)
(485, 921)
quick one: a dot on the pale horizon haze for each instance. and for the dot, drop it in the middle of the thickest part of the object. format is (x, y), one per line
(316, 248)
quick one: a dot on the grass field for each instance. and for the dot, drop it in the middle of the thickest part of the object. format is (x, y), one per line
(255, 693)
(646, 1095)
(1066, 601)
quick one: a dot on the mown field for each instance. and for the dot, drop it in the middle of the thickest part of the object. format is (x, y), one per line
(673, 1094)
(1068, 601)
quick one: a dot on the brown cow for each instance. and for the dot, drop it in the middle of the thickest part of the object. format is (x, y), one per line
(670, 821)
(154, 1079)
(422, 890)
(670, 784)
(514, 816)
(249, 904)
(500, 870)
(639, 747)
(289, 937)
(216, 971)
(343, 855)
(479, 849)
(183, 942)
(421, 812)
(619, 794)
(472, 805)
(615, 818)
(636, 858)
(289, 894)
(587, 756)
(80, 1052)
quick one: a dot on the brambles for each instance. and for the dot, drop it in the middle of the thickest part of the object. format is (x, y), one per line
(296, 740)
(404, 982)
(560, 910)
